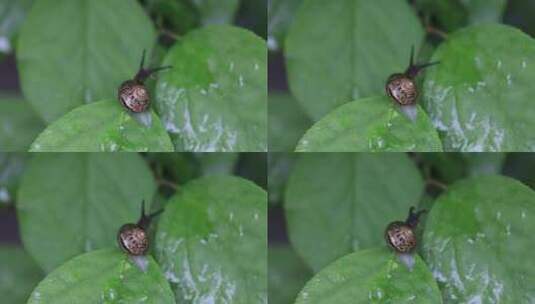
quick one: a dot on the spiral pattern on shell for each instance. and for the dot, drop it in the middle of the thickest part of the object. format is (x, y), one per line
(400, 237)
(133, 239)
(134, 96)
(402, 89)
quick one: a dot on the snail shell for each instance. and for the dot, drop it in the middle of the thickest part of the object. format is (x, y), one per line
(402, 89)
(134, 96)
(400, 237)
(133, 240)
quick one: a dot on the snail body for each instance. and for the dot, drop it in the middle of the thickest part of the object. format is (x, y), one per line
(401, 87)
(133, 238)
(133, 93)
(400, 236)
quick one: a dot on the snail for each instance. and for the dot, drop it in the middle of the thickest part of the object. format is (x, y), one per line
(133, 94)
(400, 235)
(133, 238)
(401, 87)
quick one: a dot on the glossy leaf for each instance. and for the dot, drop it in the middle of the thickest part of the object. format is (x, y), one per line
(73, 52)
(287, 122)
(211, 242)
(104, 276)
(478, 241)
(215, 97)
(19, 274)
(481, 100)
(371, 276)
(371, 124)
(280, 16)
(338, 203)
(333, 57)
(71, 203)
(19, 125)
(287, 274)
(103, 126)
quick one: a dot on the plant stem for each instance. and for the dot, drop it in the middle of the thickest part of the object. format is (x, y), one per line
(437, 184)
(432, 30)
(165, 183)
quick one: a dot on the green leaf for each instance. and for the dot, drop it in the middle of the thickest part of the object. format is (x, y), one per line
(103, 276)
(215, 97)
(338, 203)
(216, 11)
(478, 241)
(19, 125)
(69, 203)
(12, 166)
(12, 15)
(72, 52)
(454, 14)
(371, 124)
(333, 57)
(280, 17)
(371, 276)
(102, 126)
(287, 122)
(19, 274)
(481, 100)
(211, 242)
(287, 274)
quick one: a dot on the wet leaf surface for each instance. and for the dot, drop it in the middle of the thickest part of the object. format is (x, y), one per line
(478, 241)
(338, 203)
(104, 276)
(211, 242)
(371, 125)
(18, 274)
(72, 203)
(72, 52)
(481, 100)
(333, 57)
(371, 276)
(19, 125)
(215, 96)
(103, 126)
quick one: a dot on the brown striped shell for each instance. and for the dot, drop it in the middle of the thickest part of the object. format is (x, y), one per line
(133, 240)
(400, 237)
(134, 96)
(402, 89)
